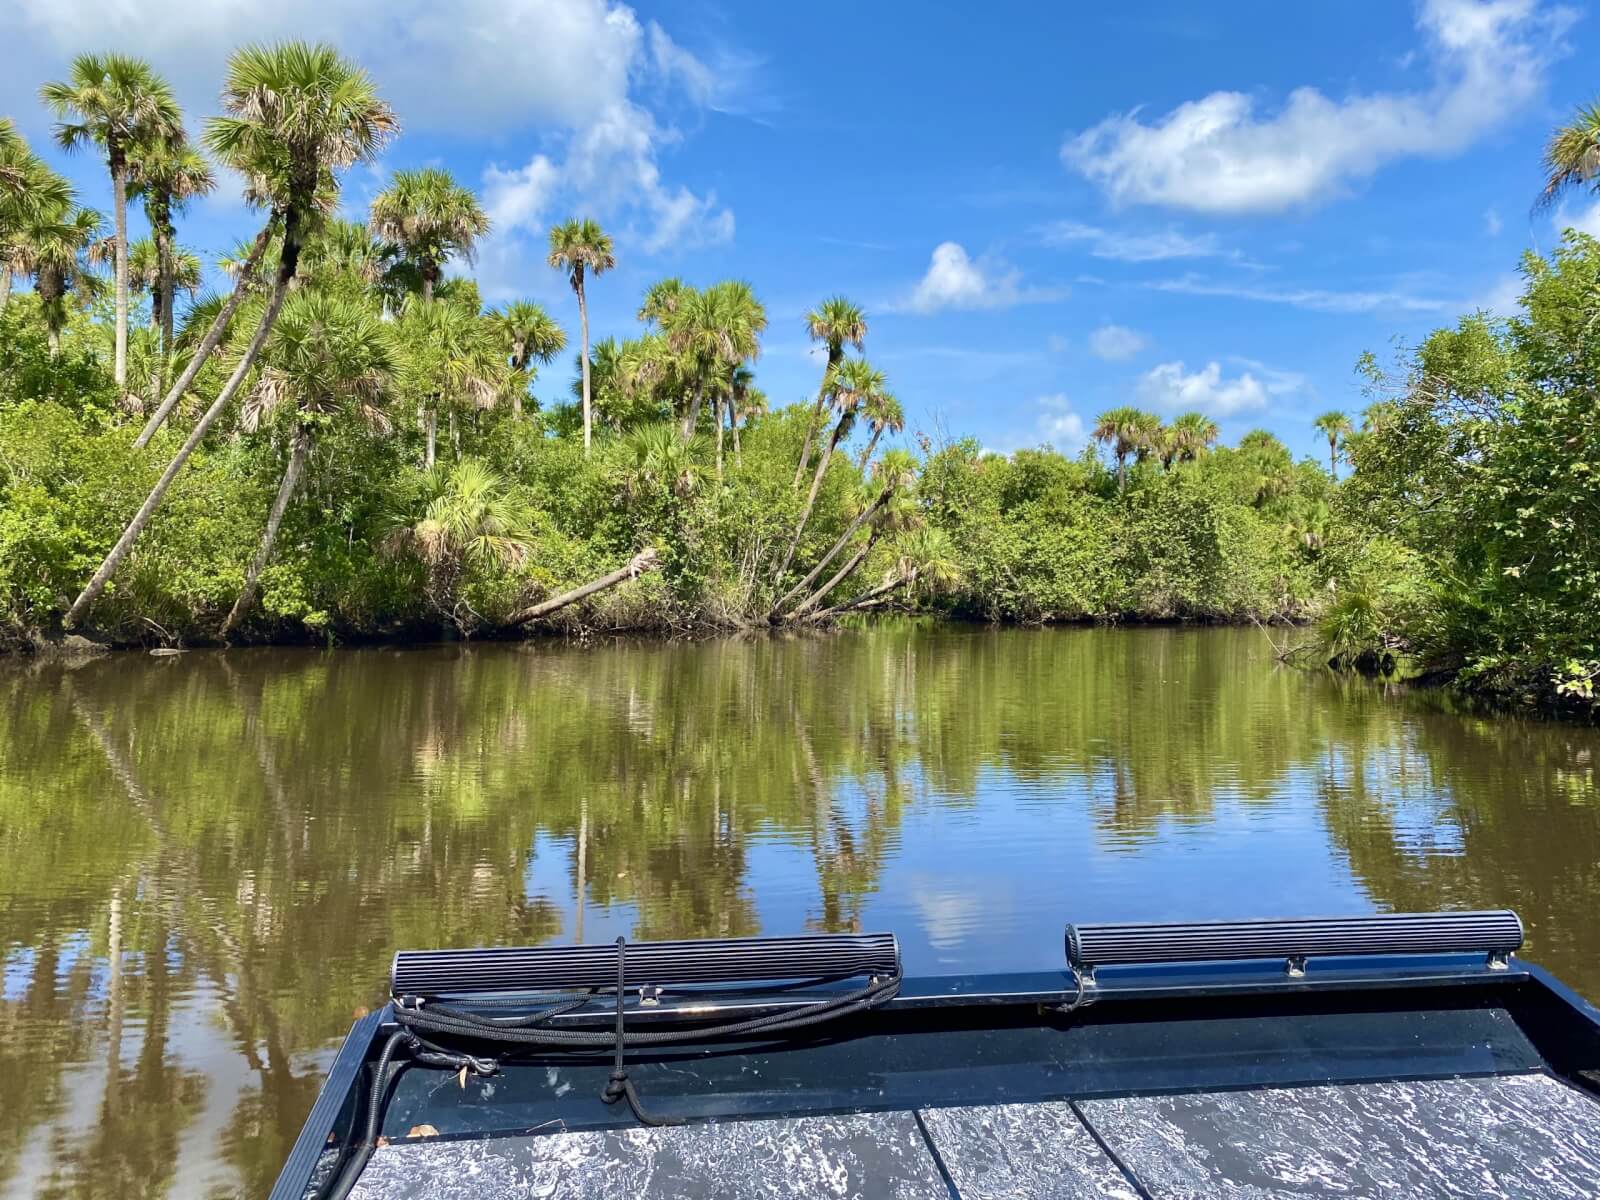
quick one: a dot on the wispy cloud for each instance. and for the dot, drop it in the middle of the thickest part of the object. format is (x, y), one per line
(1116, 343)
(1313, 299)
(1132, 247)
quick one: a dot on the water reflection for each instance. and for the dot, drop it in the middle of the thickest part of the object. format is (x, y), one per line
(210, 859)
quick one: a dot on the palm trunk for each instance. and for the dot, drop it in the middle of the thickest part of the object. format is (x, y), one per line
(432, 424)
(142, 518)
(516, 406)
(5, 286)
(691, 419)
(865, 515)
(1333, 460)
(843, 573)
(455, 436)
(645, 560)
(427, 287)
(834, 354)
(53, 337)
(861, 601)
(280, 505)
(583, 323)
(119, 200)
(169, 296)
(208, 345)
(811, 497)
(718, 402)
(877, 432)
(733, 424)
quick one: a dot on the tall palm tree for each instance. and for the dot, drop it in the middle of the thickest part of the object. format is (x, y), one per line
(1335, 426)
(60, 253)
(660, 299)
(297, 114)
(429, 218)
(29, 192)
(836, 323)
(119, 104)
(1128, 432)
(1572, 156)
(883, 412)
(529, 335)
(161, 276)
(714, 330)
(855, 383)
(167, 173)
(1190, 435)
(581, 248)
(328, 357)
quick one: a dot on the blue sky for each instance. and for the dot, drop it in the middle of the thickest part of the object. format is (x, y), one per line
(1045, 212)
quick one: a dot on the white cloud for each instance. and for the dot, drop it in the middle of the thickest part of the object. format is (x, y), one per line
(1492, 224)
(1503, 298)
(1055, 424)
(956, 280)
(1116, 343)
(1168, 386)
(1218, 154)
(1585, 220)
(1132, 247)
(1314, 299)
(576, 72)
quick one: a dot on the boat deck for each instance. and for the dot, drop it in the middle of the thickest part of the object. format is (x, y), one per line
(1526, 1134)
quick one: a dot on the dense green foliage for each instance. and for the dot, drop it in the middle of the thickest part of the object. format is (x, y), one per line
(1473, 515)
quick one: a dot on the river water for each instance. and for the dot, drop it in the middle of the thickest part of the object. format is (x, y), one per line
(206, 861)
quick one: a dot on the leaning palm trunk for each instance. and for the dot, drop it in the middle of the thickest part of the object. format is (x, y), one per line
(811, 497)
(646, 560)
(839, 576)
(862, 518)
(301, 445)
(119, 194)
(209, 343)
(153, 500)
(872, 445)
(815, 423)
(866, 598)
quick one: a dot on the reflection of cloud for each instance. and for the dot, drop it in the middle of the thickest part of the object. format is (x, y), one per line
(950, 915)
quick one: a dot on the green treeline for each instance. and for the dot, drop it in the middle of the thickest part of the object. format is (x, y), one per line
(350, 444)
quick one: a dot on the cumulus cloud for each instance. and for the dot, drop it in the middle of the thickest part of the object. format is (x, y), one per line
(1116, 343)
(956, 280)
(1313, 299)
(1131, 247)
(585, 76)
(1219, 154)
(1055, 424)
(1584, 220)
(1169, 386)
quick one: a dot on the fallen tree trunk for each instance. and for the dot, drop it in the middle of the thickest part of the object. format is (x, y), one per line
(866, 598)
(646, 560)
(821, 594)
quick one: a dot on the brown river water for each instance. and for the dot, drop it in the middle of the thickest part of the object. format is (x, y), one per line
(206, 861)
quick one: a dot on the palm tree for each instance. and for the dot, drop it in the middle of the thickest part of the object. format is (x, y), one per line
(120, 104)
(29, 191)
(530, 335)
(328, 356)
(167, 173)
(661, 299)
(581, 247)
(897, 474)
(297, 114)
(836, 323)
(658, 457)
(745, 401)
(855, 383)
(471, 518)
(714, 331)
(1335, 426)
(925, 559)
(882, 411)
(455, 360)
(1190, 435)
(58, 251)
(429, 218)
(1128, 432)
(1572, 156)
